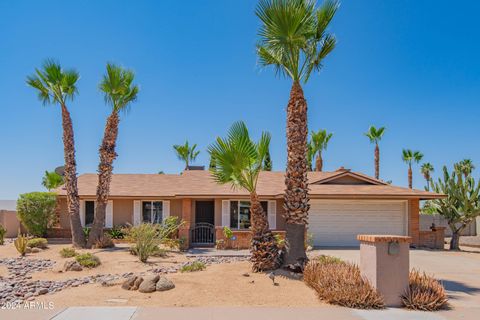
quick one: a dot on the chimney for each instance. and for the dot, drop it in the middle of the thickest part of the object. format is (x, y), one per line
(342, 169)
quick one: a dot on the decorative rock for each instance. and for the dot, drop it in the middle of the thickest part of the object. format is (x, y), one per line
(72, 266)
(149, 284)
(137, 283)
(128, 284)
(35, 250)
(42, 291)
(164, 284)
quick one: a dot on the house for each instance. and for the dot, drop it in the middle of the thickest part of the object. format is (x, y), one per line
(8, 218)
(342, 204)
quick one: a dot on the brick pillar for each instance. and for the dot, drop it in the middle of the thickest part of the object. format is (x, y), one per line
(414, 220)
(184, 231)
(385, 263)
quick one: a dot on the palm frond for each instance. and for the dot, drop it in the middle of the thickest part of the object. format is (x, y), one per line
(118, 88)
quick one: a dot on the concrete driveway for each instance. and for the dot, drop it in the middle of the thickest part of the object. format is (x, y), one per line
(459, 272)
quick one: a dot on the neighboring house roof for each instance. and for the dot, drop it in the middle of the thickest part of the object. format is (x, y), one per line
(9, 205)
(195, 183)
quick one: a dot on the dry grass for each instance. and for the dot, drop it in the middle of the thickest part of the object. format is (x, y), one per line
(340, 283)
(424, 293)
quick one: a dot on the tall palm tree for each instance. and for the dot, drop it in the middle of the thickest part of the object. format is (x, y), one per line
(465, 166)
(56, 86)
(239, 161)
(186, 153)
(375, 135)
(319, 142)
(267, 163)
(426, 169)
(119, 92)
(294, 40)
(410, 157)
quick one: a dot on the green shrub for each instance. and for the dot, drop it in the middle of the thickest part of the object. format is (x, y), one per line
(36, 211)
(193, 266)
(279, 240)
(3, 232)
(88, 260)
(86, 232)
(228, 233)
(105, 242)
(41, 243)
(168, 229)
(172, 244)
(424, 293)
(116, 232)
(21, 244)
(341, 283)
(146, 240)
(68, 253)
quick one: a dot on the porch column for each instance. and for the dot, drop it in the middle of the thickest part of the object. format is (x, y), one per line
(184, 231)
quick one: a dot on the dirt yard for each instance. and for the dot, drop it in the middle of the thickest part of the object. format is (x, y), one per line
(219, 285)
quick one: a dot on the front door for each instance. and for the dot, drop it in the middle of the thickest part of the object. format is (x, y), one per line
(203, 233)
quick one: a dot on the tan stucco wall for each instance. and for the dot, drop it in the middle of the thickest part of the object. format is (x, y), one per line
(122, 211)
(9, 220)
(63, 219)
(414, 220)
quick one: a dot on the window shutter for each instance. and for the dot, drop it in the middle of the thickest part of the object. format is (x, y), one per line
(166, 209)
(137, 204)
(109, 214)
(82, 212)
(225, 213)
(272, 214)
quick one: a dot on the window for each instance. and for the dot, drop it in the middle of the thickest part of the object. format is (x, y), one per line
(240, 214)
(89, 212)
(152, 211)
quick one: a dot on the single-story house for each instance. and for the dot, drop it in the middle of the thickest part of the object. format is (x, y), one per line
(342, 204)
(9, 219)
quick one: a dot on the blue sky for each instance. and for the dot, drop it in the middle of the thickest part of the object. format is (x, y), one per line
(412, 66)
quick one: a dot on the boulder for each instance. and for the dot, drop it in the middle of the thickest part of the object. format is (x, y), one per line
(137, 283)
(149, 284)
(164, 284)
(72, 266)
(128, 284)
(42, 291)
(35, 250)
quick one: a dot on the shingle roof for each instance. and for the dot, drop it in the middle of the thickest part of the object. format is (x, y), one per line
(270, 184)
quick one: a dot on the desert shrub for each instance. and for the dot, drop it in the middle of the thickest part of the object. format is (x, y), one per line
(88, 260)
(117, 232)
(172, 244)
(146, 240)
(227, 233)
(279, 240)
(424, 293)
(105, 242)
(193, 266)
(86, 232)
(169, 228)
(309, 240)
(36, 211)
(340, 283)
(41, 243)
(21, 244)
(3, 232)
(68, 253)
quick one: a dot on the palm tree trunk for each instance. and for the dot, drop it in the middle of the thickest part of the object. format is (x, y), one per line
(377, 161)
(105, 168)
(296, 183)
(455, 241)
(265, 252)
(410, 184)
(73, 202)
(319, 162)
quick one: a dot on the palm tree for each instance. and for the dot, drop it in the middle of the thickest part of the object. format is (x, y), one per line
(52, 180)
(410, 157)
(426, 169)
(267, 162)
(294, 40)
(375, 135)
(56, 86)
(319, 142)
(239, 161)
(119, 92)
(186, 153)
(465, 166)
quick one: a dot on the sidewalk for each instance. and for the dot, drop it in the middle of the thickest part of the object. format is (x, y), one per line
(233, 313)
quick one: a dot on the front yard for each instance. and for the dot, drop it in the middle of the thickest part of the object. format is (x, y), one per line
(224, 282)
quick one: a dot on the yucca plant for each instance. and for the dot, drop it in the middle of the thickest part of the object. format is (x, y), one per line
(424, 293)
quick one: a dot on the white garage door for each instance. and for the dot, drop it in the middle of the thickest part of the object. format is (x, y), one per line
(337, 222)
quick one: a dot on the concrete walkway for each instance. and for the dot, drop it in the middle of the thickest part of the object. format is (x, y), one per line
(233, 313)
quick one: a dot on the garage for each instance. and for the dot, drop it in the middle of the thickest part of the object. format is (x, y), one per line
(337, 222)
